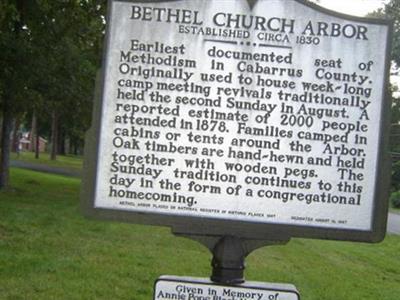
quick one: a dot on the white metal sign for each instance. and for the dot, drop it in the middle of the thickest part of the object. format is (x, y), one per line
(267, 114)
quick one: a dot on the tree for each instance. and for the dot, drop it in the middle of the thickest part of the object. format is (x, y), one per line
(14, 78)
(391, 11)
(72, 31)
(50, 52)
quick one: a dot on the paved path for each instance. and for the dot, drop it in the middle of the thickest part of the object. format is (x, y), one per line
(393, 224)
(45, 168)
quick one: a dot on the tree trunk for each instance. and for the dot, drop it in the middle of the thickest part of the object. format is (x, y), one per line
(75, 147)
(37, 145)
(67, 143)
(15, 136)
(61, 142)
(5, 146)
(1, 127)
(33, 134)
(54, 135)
(7, 114)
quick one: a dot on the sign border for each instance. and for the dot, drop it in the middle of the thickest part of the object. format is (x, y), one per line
(244, 229)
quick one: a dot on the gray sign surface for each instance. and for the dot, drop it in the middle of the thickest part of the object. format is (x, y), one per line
(268, 116)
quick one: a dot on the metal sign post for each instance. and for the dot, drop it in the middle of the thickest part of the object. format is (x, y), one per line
(229, 254)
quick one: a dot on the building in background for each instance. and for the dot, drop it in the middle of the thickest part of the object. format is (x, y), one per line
(25, 143)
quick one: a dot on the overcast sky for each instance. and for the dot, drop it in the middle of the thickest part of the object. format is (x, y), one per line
(352, 7)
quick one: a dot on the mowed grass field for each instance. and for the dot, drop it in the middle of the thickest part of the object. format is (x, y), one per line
(48, 250)
(71, 162)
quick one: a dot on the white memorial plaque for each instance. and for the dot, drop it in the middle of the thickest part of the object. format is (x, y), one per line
(267, 114)
(184, 288)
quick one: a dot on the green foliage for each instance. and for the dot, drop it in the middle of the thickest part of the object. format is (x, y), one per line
(395, 110)
(395, 199)
(15, 61)
(68, 37)
(392, 11)
(396, 176)
(50, 52)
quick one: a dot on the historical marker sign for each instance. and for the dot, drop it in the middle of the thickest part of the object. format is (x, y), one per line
(269, 117)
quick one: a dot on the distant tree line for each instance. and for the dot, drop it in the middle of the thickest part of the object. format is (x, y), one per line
(50, 52)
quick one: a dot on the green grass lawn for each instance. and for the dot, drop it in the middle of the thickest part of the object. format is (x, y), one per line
(49, 251)
(62, 161)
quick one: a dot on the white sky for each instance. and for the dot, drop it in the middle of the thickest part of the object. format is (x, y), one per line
(352, 7)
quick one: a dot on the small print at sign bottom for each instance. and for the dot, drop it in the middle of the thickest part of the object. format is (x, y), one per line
(188, 288)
